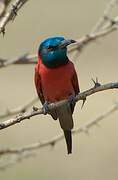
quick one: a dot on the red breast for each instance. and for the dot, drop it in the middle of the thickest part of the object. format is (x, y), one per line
(56, 82)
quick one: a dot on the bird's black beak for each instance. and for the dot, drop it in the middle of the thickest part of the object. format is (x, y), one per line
(66, 42)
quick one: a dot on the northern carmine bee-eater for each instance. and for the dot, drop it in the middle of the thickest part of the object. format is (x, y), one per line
(56, 80)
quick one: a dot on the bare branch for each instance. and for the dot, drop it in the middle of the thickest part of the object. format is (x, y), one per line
(16, 159)
(34, 112)
(22, 153)
(105, 17)
(85, 40)
(81, 43)
(20, 109)
(104, 26)
(3, 7)
(23, 59)
(11, 14)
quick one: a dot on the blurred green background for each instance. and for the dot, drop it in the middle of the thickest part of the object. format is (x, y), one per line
(95, 156)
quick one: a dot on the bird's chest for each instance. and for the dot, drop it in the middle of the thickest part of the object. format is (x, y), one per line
(56, 83)
(50, 77)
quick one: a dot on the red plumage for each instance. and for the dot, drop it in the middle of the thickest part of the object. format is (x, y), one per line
(54, 84)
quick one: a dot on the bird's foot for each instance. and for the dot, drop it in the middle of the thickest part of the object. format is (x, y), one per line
(96, 83)
(45, 108)
(72, 100)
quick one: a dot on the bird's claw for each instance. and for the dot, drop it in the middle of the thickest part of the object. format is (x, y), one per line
(45, 108)
(96, 83)
(72, 100)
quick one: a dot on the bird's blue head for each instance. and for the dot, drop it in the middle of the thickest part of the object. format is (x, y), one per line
(53, 51)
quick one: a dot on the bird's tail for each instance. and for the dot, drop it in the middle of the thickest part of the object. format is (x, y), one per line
(66, 122)
(68, 137)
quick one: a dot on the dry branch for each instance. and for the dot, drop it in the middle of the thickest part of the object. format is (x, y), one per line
(84, 128)
(11, 14)
(104, 26)
(80, 45)
(106, 16)
(23, 152)
(85, 40)
(3, 7)
(20, 109)
(35, 111)
(23, 59)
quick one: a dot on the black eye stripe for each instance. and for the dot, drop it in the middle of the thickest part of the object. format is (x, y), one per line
(52, 48)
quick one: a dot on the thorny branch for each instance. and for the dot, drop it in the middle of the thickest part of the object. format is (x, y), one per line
(36, 111)
(22, 153)
(11, 14)
(104, 26)
(106, 16)
(20, 109)
(23, 59)
(3, 7)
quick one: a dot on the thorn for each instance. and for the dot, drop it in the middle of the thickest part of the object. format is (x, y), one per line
(14, 8)
(19, 116)
(84, 100)
(35, 108)
(112, 21)
(2, 125)
(52, 143)
(2, 63)
(86, 131)
(97, 125)
(106, 18)
(23, 110)
(96, 83)
(3, 31)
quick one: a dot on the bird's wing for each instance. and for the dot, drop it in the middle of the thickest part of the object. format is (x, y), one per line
(37, 80)
(75, 83)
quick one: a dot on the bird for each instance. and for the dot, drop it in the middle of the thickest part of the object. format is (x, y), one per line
(55, 80)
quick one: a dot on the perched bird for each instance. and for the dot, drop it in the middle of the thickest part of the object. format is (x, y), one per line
(55, 80)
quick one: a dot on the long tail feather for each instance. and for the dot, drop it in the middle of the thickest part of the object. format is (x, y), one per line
(68, 137)
(66, 122)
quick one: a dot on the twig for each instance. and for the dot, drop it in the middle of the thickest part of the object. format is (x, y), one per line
(16, 159)
(36, 111)
(23, 59)
(11, 14)
(20, 109)
(3, 7)
(81, 43)
(84, 128)
(93, 37)
(104, 26)
(105, 17)
(19, 152)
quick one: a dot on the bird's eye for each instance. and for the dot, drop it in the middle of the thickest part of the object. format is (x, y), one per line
(52, 48)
